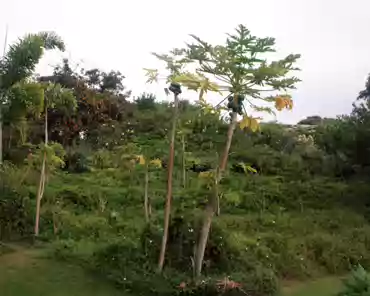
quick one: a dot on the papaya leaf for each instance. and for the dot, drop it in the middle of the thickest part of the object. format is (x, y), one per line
(245, 122)
(249, 122)
(152, 75)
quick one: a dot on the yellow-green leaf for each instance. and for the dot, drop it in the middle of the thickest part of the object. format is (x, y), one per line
(245, 122)
(156, 162)
(249, 168)
(151, 74)
(250, 122)
(141, 159)
(205, 175)
(254, 125)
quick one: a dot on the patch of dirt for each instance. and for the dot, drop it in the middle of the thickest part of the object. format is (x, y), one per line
(19, 256)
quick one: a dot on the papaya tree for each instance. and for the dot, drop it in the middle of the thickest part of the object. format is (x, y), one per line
(147, 163)
(240, 70)
(183, 132)
(19, 62)
(175, 64)
(55, 97)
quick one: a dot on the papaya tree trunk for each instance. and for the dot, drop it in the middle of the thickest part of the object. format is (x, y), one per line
(149, 207)
(40, 193)
(10, 137)
(55, 225)
(169, 185)
(146, 200)
(212, 201)
(183, 162)
(41, 188)
(1, 132)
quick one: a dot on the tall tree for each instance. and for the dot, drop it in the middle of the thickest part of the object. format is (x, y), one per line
(175, 68)
(20, 61)
(55, 97)
(241, 71)
(175, 64)
(101, 98)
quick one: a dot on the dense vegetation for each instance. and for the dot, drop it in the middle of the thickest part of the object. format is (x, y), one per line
(92, 168)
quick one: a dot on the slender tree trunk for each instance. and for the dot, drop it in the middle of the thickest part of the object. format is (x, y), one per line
(183, 162)
(2, 96)
(149, 207)
(39, 197)
(1, 132)
(10, 137)
(55, 226)
(212, 202)
(41, 188)
(146, 201)
(169, 185)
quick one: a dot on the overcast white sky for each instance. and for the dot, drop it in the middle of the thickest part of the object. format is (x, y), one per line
(332, 37)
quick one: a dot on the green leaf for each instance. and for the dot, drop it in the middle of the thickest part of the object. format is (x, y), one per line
(151, 74)
(250, 169)
(22, 57)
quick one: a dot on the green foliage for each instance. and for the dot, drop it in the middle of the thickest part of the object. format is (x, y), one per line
(22, 57)
(146, 102)
(54, 152)
(358, 284)
(15, 206)
(15, 215)
(60, 98)
(289, 209)
(76, 162)
(235, 60)
(102, 159)
(25, 98)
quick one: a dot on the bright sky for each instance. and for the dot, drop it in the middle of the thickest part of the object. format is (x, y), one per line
(331, 35)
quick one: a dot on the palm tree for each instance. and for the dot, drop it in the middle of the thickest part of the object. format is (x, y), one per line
(19, 62)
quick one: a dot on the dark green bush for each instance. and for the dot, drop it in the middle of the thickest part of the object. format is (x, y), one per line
(16, 214)
(358, 283)
(76, 163)
(128, 266)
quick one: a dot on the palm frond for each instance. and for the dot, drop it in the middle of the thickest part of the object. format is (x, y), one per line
(22, 57)
(52, 41)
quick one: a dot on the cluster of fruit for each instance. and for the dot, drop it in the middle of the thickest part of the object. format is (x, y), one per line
(175, 88)
(236, 104)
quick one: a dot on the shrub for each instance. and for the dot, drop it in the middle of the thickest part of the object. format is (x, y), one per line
(102, 159)
(358, 284)
(76, 163)
(16, 218)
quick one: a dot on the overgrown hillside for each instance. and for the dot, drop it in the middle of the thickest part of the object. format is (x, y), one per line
(292, 203)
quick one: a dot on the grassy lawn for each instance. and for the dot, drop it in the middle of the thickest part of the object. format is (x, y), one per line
(24, 273)
(329, 286)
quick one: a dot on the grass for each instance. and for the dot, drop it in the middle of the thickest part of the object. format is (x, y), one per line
(24, 272)
(27, 272)
(328, 286)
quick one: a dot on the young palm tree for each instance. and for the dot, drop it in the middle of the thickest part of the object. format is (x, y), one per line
(19, 62)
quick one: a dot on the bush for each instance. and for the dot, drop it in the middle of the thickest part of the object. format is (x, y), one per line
(102, 159)
(76, 163)
(358, 284)
(16, 215)
(17, 155)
